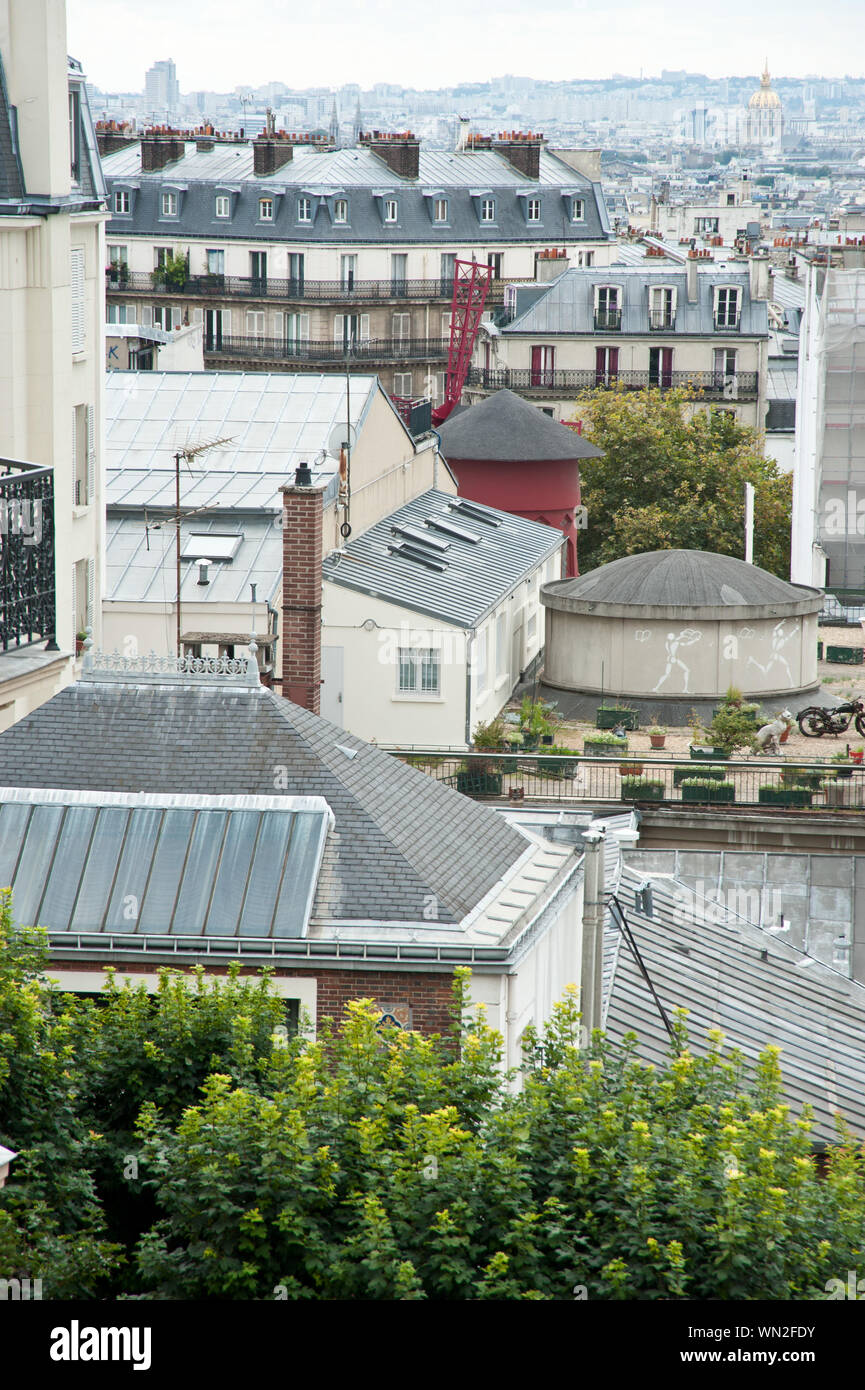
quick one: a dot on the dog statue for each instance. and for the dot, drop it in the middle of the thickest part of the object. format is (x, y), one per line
(768, 738)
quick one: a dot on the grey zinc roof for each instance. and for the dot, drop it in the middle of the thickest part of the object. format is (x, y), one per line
(140, 561)
(750, 984)
(686, 578)
(132, 489)
(182, 865)
(11, 177)
(273, 420)
(505, 428)
(360, 175)
(400, 842)
(477, 575)
(568, 305)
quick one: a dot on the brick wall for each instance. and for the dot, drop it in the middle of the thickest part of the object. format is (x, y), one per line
(301, 596)
(428, 997)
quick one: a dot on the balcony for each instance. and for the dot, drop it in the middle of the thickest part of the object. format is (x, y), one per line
(727, 323)
(133, 282)
(662, 319)
(27, 593)
(324, 353)
(742, 386)
(608, 320)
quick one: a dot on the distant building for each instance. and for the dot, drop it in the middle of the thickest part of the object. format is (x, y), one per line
(765, 120)
(161, 88)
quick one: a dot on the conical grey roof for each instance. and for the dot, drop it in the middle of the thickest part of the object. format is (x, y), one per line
(506, 429)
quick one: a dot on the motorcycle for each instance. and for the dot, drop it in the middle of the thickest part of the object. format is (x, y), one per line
(815, 721)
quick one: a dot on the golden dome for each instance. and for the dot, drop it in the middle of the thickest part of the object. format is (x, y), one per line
(765, 96)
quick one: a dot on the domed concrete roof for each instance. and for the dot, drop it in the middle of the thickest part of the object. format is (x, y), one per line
(764, 96)
(677, 578)
(506, 429)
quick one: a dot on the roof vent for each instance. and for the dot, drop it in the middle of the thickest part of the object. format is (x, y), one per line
(203, 567)
(303, 476)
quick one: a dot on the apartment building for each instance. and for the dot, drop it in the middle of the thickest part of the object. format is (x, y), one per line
(292, 254)
(52, 216)
(700, 324)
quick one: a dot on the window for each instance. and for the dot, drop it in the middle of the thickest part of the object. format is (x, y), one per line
(606, 365)
(391, 210)
(296, 330)
(216, 262)
(223, 205)
(117, 256)
(440, 210)
(304, 209)
(402, 327)
(705, 226)
(480, 662)
(169, 205)
(724, 363)
(76, 285)
(347, 271)
(258, 269)
(398, 272)
(254, 323)
(448, 271)
(662, 306)
(543, 366)
(608, 314)
(265, 209)
(661, 367)
(350, 329)
(340, 210)
(160, 256)
(585, 258)
(488, 209)
(727, 306)
(578, 210)
(419, 671)
(502, 656)
(533, 209)
(402, 383)
(494, 261)
(83, 445)
(75, 134)
(166, 317)
(117, 313)
(121, 202)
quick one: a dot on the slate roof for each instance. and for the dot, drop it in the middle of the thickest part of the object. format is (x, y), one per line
(505, 428)
(359, 175)
(677, 578)
(568, 306)
(11, 177)
(749, 983)
(477, 573)
(401, 840)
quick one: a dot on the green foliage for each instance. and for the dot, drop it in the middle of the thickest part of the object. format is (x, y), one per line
(673, 478)
(607, 738)
(374, 1164)
(490, 734)
(174, 272)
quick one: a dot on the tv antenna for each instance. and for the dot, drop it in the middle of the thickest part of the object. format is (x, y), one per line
(187, 454)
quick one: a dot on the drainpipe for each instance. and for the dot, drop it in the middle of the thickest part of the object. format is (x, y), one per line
(438, 440)
(592, 962)
(470, 652)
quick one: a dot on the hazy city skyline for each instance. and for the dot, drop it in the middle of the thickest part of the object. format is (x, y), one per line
(422, 47)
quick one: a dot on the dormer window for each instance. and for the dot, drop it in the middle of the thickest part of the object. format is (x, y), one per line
(488, 209)
(440, 210)
(727, 306)
(578, 210)
(223, 206)
(340, 210)
(169, 205)
(121, 202)
(608, 308)
(391, 210)
(265, 209)
(533, 210)
(304, 209)
(662, 306)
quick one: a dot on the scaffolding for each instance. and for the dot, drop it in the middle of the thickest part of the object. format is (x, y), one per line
(828, 542)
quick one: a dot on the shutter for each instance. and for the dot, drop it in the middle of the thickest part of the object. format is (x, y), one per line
(198, 316)
(91, 592)
(614, 361)
(76, 285)
(147, 316)
(176, 317)
(74, 602)
(303, 320)
(91, 453)
(74, 446)
(536, 365)
(364, 328)
(226, 323)
(338, 322)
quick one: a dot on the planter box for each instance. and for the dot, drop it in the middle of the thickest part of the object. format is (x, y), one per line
(845, 656)
(479, 783)
(812, 780)
(714, 774)
(705, 794)
(557, 767)
(785, 796)
(606, 718)
(634, 789)
(605, 750)
(707, 755)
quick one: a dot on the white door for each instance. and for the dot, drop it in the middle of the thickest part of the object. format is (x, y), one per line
(331, 685)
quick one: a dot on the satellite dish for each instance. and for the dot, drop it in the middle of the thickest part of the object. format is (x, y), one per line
(339, 436)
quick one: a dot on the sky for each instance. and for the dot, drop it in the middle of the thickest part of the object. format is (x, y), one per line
(219, 45)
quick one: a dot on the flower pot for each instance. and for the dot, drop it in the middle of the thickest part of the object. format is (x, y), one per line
(785, 796)
(657, 740)
(630, 769)
(605, 750)
(681, 774)
(557, 767)
(857, 754)
(641, 791)
(79, 646)
(721, 792)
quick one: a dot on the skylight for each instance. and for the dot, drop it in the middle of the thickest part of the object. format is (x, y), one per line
(415, 533)
(420, 557)
(450, 528)
(211, 545)
(476, 513)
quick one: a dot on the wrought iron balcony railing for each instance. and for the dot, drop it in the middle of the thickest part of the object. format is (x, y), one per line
(727, 323)
(608, 320)
(291, 350)
(742, 386)
(27, 581)
(662, 318)
(124, 282)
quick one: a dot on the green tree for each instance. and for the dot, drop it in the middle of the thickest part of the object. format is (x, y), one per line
(673, 477)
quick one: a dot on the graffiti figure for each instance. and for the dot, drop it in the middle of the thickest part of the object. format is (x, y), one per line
(686, 638)
(780, 638)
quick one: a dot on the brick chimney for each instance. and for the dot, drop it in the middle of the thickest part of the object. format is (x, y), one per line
(301, 590)
(693, 282)
(401, 153)
(157, 150)
(523, 152)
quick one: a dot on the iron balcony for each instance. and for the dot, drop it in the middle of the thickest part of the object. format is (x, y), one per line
(125, 282)
(27, 582)
(288, 350)
(741, 386)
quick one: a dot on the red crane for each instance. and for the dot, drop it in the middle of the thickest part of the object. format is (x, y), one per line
(471, 283)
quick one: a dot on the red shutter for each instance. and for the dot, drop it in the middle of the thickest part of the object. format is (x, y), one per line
(537, 357)
(666, 368)
(614, 363)
(600, 366)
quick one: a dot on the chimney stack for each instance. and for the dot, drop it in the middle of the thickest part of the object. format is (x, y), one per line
(693, 283)
(302, 549)
(523, 152)
(160, 149)
(401, 153)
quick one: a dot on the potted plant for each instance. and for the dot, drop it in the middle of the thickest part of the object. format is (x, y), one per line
(709, 772)
(173, 273)
(80, 639)
(483, 776)
(604, 745)
(732, 728)
(641, 789)
(785, 796)
(705, 789)
(857, 753)
(657, 734)
(535, 723)
(630, 769)
(558, 761)
(842, 757)
(610, 716)
(802, 777)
